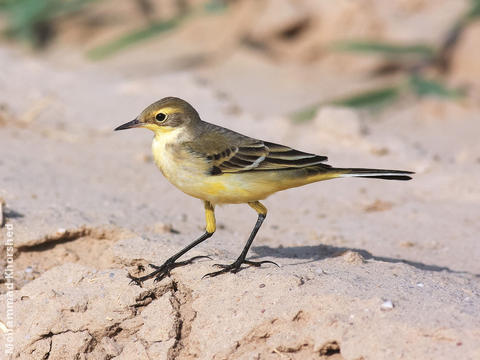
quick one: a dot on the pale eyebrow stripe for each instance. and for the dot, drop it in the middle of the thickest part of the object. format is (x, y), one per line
(169, 110)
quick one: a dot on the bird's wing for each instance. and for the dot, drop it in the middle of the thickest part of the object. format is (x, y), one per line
(284, 157)
(233, 153)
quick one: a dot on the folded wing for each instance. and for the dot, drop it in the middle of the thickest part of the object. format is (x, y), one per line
(256, 155)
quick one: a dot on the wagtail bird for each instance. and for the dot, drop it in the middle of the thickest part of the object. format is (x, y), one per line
(220, 166)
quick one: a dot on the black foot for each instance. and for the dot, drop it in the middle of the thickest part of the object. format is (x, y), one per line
(163, 270)
(236, 267)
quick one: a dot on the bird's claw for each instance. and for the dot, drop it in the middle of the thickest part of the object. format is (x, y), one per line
(181, 263)
(236, 267)
(134, 280)
(248, 262)
(162, 271)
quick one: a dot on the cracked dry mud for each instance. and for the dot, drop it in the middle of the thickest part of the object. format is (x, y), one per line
(368, 270)
(80, 311)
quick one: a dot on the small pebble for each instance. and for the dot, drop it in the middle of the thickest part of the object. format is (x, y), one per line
(28, 269)
(386, 305)
(420, 285)
(61, 231)
(261, 285)
(353, 257)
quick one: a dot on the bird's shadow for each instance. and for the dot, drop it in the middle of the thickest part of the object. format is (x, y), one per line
(320, 252)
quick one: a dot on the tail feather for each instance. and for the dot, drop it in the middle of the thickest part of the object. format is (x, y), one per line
(375, 173)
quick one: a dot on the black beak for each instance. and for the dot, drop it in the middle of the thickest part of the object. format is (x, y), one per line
(129, 125)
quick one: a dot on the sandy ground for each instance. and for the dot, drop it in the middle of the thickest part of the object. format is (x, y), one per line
(369, 269)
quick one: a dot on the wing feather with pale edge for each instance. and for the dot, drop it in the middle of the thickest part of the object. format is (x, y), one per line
(256, 155)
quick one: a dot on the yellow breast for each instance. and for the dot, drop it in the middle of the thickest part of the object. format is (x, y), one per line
(184, 170)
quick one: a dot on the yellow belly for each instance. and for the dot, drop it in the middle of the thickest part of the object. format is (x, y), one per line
(227, 189)
(223, 189)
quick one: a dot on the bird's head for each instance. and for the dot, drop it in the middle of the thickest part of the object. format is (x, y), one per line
(163, 116)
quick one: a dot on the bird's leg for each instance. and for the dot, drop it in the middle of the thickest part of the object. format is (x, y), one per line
(235, 267)
(164, 270)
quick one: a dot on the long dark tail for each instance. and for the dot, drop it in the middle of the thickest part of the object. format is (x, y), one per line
(375, 173)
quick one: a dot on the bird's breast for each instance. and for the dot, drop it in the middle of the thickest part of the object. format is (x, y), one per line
(178, 165)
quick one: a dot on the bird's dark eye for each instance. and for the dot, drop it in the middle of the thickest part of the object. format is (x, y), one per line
(160, 116)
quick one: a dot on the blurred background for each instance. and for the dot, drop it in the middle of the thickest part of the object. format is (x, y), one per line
(296, 55)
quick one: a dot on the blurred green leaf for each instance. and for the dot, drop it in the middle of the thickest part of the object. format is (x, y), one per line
(215, 5)
(422, 87)
(31, 19)
(386, 49)
(305, 114)
(370, 98)
(153, 29)
(134, 37)
(474, 10)
(366, 99)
